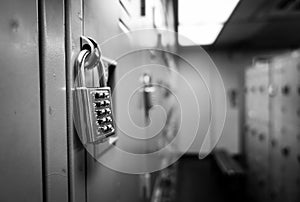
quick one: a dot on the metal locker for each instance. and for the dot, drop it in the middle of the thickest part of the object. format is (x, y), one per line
(275, 172)
(54, 104)
(20, 117)
(46, 160)
(285, 123)
(274, 112)
(257, 120)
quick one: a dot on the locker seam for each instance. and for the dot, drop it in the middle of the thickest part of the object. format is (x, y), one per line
(70, 157)
(41, 52)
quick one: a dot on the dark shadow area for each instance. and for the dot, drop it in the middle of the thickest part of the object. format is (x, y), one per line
(206, 180)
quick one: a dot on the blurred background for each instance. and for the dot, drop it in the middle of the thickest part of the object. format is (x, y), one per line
(147, 47)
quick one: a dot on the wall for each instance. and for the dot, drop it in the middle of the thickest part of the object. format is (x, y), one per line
(231, 67)
(199, 87)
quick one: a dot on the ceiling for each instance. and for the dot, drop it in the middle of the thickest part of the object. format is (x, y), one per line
(262, 24)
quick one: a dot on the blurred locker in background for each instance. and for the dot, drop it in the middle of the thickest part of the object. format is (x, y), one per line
(272, 120)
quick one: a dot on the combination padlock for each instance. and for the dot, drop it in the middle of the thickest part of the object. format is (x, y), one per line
(93, 112)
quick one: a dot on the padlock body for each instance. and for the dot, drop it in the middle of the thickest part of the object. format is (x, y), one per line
(93, 114)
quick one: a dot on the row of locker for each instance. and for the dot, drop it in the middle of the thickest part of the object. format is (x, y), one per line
(272, 130)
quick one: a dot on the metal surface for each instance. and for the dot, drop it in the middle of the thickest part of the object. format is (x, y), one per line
(94, 115)
(92, 60)
(93, 105)
(258, 120)
(20, 144)
(104, 184)
(76, 152)
(91, 45)
(54, 111)
(272, 142)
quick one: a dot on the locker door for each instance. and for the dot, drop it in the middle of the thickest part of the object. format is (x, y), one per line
(285, 127)
(20, 117)
(103, 184)
(76, 152)
(53, 89)
(258, 134)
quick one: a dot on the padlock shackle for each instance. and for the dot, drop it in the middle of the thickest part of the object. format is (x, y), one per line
(89, 58)
(80, 64)
(91, 45)
(101, 71)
